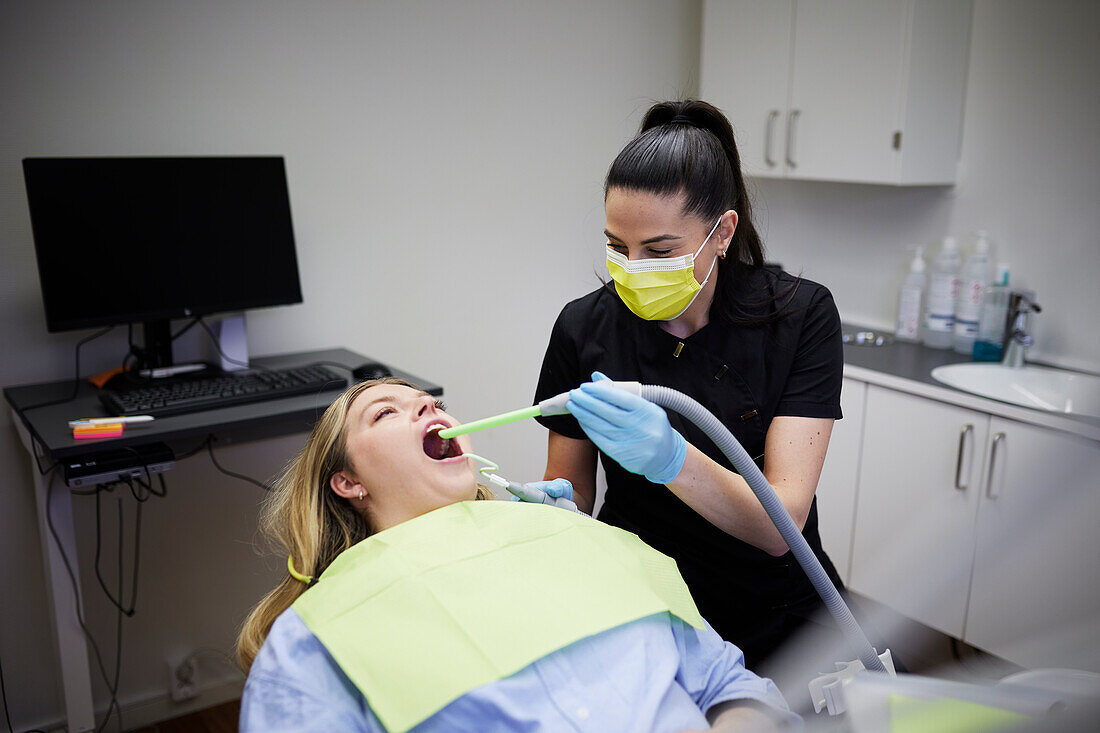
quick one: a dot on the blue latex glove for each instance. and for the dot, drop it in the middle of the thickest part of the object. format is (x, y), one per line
(559, 490)
(633, 431)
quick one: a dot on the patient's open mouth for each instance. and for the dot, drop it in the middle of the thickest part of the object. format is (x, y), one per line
(438, 448)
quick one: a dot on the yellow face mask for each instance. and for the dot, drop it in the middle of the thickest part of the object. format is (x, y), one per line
(658, 288)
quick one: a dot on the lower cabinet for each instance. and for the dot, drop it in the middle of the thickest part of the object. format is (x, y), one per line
(984, 528)
(1035, 597)
(918, 498)
(839, 481)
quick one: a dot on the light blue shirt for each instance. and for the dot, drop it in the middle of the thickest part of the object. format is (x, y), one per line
(654, 674)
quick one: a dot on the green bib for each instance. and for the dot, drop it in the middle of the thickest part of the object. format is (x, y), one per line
(422, 613)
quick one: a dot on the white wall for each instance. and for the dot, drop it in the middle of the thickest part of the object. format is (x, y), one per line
(1029, 174)
(445, 163)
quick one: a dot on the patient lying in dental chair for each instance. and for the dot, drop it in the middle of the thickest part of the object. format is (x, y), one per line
(410, 605)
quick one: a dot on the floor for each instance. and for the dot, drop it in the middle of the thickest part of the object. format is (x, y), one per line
(218, 719)
(925, 651)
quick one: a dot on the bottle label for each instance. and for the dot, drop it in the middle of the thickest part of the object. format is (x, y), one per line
(972, 295)
(968, 309)
(909, 314)
(940, 323)
(966, 329)
(942, 291)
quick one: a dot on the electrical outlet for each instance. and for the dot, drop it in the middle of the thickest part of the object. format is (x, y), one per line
(182, 678)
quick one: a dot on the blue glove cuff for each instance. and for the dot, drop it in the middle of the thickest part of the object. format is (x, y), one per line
(671, 469)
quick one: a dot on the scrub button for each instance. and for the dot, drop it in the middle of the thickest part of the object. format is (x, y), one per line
(582, 713)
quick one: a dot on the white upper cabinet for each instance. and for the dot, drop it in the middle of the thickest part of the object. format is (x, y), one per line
(865, 91)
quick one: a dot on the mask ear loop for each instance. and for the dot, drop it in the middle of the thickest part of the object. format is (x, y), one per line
(713, 262)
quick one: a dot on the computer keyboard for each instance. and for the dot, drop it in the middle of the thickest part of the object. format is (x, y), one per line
(182, 394)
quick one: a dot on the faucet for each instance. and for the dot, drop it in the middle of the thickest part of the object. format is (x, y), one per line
(1017, 338)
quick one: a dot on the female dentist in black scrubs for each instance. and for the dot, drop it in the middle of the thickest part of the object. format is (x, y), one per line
(694, 308)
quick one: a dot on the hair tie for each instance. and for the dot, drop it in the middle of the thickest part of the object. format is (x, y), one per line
(681, 119)
(308, 580)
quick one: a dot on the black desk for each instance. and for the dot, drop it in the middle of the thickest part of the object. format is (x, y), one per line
(238, 423)
(48, 438)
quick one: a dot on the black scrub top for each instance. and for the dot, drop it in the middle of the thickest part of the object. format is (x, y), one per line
(745, 375)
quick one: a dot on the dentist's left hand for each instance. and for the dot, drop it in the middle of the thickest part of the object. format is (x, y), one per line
(559, 490)
(633, 431)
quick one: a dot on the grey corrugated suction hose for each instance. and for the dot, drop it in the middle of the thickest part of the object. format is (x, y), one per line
(788, 530)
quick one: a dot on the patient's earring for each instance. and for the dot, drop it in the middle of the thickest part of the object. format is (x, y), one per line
(361, 495)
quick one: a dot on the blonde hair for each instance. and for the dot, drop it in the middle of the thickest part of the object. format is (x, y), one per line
(302, 518)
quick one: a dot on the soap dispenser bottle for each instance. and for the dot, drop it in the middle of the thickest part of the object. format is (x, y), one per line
(988, 346)
(911, 300)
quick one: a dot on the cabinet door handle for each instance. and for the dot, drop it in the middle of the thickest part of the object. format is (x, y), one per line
(993, 487)
(769, 134)
(966, 430)
(792, 119)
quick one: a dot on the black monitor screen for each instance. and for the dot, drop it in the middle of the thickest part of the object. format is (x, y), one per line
(123, 240)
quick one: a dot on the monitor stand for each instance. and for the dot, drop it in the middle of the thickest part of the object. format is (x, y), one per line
(155, 356)
(156, 351)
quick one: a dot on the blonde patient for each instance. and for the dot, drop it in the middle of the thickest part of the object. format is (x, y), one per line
(372, 488)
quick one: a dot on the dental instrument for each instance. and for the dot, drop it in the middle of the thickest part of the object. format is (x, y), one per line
(523, 492)
(492, 422)
(754, 477)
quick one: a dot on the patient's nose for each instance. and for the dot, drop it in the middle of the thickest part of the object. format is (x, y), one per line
(427, 406)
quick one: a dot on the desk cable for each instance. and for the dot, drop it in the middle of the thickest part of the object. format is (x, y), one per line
(76, 376)
(134, 484)
(112, 688)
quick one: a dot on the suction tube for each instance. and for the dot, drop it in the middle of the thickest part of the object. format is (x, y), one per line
(723, 438)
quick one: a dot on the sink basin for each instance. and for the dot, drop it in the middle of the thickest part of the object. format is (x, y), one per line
(1040, 388)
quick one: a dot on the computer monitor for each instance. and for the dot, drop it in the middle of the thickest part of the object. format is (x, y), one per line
(146, 240)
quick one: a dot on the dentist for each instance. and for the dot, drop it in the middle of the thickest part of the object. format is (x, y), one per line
(692, 306)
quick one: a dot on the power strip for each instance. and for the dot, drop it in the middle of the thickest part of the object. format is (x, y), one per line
(118, 464)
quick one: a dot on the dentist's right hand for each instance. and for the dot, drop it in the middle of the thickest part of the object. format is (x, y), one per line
(632, 430)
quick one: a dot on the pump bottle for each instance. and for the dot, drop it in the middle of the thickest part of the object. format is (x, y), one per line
(943, 289)
(910, 300)
(976, 276)
(991, 328)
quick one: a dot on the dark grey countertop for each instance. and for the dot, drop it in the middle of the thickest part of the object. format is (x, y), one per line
(899, 358)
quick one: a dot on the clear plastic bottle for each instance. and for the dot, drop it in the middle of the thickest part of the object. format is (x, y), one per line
(989, 344)
(943, 289)
(911, 300)
(975, 277)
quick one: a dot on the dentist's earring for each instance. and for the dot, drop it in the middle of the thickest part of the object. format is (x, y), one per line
(722, 255)
(361, 495)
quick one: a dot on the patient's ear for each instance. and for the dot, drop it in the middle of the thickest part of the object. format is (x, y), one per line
(346, 485)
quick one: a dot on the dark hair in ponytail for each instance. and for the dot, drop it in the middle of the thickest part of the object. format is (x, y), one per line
(688, 146)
